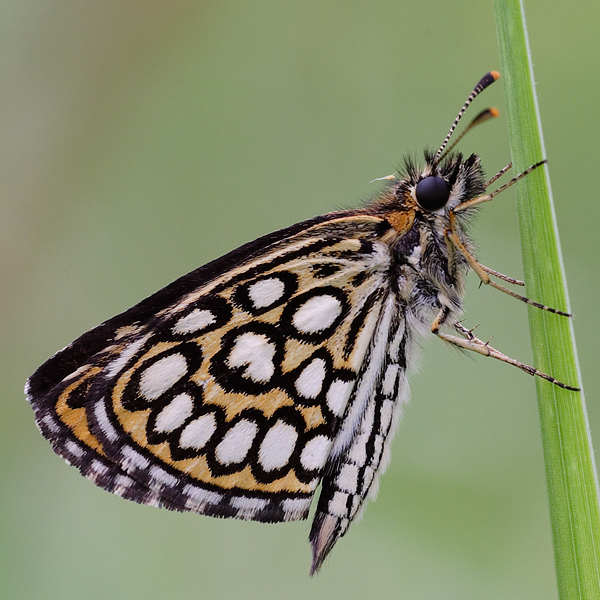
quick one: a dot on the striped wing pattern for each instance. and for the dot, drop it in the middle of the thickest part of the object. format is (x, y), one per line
(361, 448)
(238, 389)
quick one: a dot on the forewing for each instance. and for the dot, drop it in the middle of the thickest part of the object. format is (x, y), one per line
(222, 393)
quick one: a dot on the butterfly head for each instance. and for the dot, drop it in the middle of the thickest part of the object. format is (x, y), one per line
(436, 189)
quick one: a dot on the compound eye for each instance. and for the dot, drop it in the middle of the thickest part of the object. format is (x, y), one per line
(432, 192)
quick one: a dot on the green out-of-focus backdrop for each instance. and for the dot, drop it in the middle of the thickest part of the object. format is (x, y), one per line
(139, 140)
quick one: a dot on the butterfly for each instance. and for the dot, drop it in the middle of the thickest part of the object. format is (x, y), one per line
(244, 385)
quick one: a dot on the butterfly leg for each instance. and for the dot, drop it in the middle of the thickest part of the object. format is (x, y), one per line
(452, 264)
(482, 271)
(492, 195)
(499, 275)
(470, 342)
(499, 174)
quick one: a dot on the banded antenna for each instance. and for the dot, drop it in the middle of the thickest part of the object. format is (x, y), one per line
(482, 117)
(484, 82)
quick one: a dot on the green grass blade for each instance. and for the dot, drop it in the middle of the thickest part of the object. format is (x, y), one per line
(568, 455)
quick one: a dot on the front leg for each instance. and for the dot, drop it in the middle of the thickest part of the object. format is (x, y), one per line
(452, 239)
(470, 342)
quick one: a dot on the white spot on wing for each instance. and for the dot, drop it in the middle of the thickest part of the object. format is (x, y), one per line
(317, 314)
(199, 497)
(133, 460)
(174, 414)
(389, 379)
(368, 475)
(377, 448)
(337, 505)
(347, 480)
(310, 381)
(315, 453)
(122, 483)
(236, 443)
(366, 425)
(358, 451)
(161, 478)
(248, 507)
(365, 335)
(197, 433)
(266, 292)
(50, 423)
(256, 351)
(74, 449)
(126, 355)
(102, 418)
(277, 446)
(161, 375)
(195, 321)
(387, 410)
(295, 508)
(99, 468)
(394, 347)
(337, 396)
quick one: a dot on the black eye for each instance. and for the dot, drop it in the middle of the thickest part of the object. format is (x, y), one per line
(432, 192)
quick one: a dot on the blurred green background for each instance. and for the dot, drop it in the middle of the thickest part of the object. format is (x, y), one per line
(141, 139)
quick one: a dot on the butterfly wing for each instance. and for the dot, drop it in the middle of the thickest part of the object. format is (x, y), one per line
(224, 392)
(361, 448)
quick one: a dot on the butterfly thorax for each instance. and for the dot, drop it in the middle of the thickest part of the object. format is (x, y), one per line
(428, 274)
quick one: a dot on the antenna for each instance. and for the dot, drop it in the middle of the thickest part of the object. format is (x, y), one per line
(482, 117)
(484, 82)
